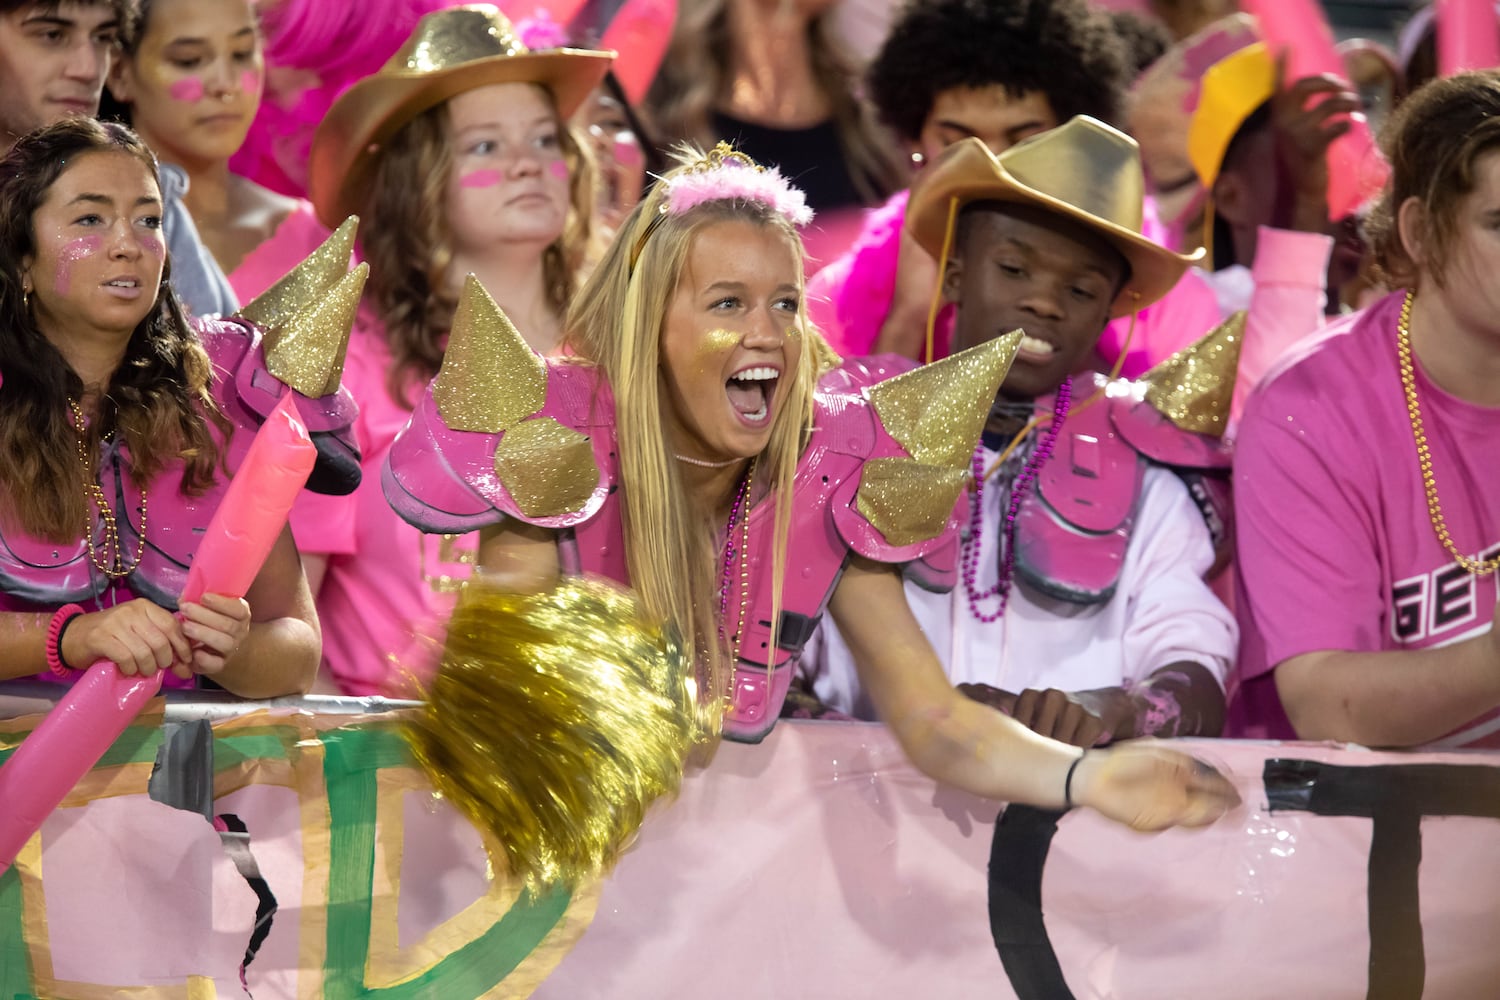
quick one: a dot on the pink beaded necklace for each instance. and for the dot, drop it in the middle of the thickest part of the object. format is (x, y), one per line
(969, 563)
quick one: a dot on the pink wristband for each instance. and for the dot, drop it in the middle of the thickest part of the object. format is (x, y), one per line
(60, 621)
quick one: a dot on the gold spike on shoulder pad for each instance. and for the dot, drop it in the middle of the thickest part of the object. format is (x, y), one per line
(548, 469)
(1193, 388)
(491, 379)
(908, 501)
(304, 284)
(307, 350)
(304, 318)
(937, 412)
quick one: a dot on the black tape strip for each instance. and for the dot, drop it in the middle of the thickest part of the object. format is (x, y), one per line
(1398, 961)
(1018, 854)
(1422, 789)
(1395, 797)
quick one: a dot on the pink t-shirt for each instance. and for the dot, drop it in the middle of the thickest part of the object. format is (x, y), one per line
(389, 588)
(1335, 548)
(299, 234)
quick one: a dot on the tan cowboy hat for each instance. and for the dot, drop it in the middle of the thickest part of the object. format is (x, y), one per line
(1083, 169)
(450, 52)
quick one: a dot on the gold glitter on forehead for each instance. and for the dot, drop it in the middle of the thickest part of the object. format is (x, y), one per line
(305, 317)
(463, 35)
(1193, 387)
(548, 469)
(937, 411)
(491, 379)
(908, 501)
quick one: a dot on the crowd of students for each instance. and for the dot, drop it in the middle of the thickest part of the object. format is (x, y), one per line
(1176, 507)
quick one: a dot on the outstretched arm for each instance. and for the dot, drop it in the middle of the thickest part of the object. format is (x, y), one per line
(968, 745)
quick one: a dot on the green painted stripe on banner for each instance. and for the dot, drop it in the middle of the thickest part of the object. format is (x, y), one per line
(352, 757)
(268, 744)
(15, 963)
(489, 958)
(350, 779)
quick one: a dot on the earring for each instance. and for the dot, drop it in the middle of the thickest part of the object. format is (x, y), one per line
(917, 159)
(26, 299)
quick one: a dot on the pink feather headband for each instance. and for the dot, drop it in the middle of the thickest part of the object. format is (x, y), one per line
(725, 174)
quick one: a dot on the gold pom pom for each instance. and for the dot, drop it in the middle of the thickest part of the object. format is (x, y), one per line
(554, 720)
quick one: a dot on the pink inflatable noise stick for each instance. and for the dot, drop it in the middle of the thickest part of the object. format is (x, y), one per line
(99, 707)
(1468, 36)
(1356, 169)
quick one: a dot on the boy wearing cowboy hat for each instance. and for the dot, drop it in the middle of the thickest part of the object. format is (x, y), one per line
(1083, 609)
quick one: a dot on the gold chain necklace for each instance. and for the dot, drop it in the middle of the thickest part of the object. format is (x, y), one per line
(744, 561)
(1424, 454)
(113, 566)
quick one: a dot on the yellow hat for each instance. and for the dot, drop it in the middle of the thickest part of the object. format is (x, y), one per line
(1231, 91)
(451, 52)
(1083, 169)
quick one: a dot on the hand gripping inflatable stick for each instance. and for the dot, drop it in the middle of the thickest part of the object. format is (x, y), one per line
(1356, 169)
(98, 708)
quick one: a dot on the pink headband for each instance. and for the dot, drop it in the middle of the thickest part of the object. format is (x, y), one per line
(725, 174)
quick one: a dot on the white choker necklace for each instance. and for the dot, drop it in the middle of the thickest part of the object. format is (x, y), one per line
(707, 465)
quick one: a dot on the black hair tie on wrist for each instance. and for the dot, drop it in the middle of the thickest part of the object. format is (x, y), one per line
(1068, 781)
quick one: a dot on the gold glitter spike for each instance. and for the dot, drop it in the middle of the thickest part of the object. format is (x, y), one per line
(937, 411)
(549, 469)
(306, 351)
(908, 501)
(304, 284)
(491, 379)
(1193, 387)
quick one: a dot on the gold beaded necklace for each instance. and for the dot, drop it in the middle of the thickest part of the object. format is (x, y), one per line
(744, 561)
(114, 565)
(1424, 454)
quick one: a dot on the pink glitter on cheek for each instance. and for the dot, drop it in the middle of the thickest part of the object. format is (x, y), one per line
(153, 246)
(558, 169)
(479, 179)
(77, 250)
(189, 90)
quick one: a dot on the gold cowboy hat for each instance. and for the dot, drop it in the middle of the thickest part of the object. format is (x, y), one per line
(450, 52)
(1083, 169)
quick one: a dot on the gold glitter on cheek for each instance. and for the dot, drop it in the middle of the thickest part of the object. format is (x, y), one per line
(718, 342)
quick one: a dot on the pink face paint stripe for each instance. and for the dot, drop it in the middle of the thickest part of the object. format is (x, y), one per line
(628, 153)
(558, 169)
(480, 179)
(76, 250)
(250, 81)
(188, 89)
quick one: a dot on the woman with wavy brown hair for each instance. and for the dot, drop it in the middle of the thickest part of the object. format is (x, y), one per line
(770, 78)
(459, 161)
(112, 441)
